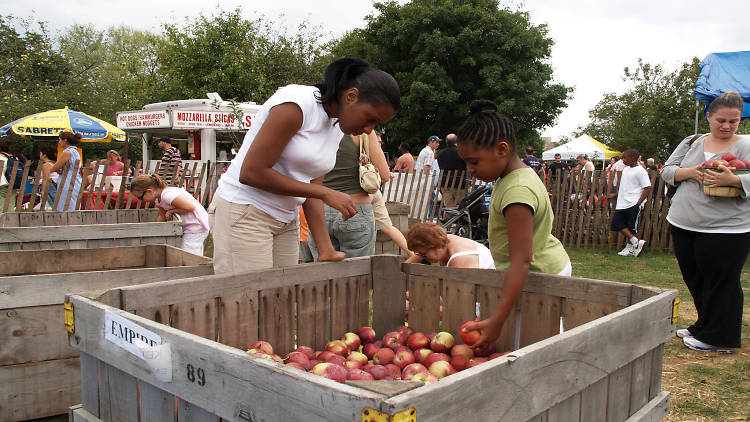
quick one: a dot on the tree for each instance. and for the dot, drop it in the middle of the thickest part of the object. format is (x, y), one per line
(654, 115)
(446, 53)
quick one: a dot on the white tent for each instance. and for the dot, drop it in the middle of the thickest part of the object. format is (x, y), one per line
(583, 144)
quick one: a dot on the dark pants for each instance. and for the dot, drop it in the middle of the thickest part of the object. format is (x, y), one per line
(711, 265)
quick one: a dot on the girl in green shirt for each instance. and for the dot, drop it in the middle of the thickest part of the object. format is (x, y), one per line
(520, 221)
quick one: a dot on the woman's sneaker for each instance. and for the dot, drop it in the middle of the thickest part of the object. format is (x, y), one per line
(695, 344)
(684, 332)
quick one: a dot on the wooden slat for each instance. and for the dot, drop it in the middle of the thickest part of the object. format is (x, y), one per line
(50, 262)
(238, 319)
(90, 384)
(654, 411)
(618, 394)
(424, 303)
(657, 361)
(155, 404)
(33, 334)
(640, 382)
(578, 312)
(540, 317)
(489, 297)
(187, 412)
(198, 317)
(459, 304)
(276, 318)
(568, 410)
(118, 394)
(594, 402)
(388, 295)
(159, 314)
(349, 304)
(98, 231)
(313, 315)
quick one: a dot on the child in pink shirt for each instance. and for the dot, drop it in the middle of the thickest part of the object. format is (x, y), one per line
(174, 200)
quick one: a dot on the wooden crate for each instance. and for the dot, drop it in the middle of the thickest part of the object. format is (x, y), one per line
(39, 369)
(605, 366)
(85, 229)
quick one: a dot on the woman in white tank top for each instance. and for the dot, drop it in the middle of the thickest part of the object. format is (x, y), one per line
(430, 242)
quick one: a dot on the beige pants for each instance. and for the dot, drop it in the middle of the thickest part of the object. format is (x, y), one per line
(246, 238)
(382, 219)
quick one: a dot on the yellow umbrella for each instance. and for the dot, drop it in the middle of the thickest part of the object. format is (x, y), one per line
(52, 122)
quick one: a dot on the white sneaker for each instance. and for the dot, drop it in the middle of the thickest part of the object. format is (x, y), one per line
(627, 251)
(638, 249)
(684, 332)
(695, 344)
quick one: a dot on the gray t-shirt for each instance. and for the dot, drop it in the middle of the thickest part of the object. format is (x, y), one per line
(691, 209)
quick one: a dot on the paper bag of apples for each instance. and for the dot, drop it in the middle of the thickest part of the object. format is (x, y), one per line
(730, 161)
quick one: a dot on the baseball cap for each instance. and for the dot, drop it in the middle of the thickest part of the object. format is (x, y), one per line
(434, 138)
(166, 139)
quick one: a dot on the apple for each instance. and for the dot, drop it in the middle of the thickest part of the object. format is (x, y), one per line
(721, 163)
(403, 358)
(351, 340)
(337, 347)
(728, 156)
(469, 337)
(296, 365)
(431, 336)
(462, 349)
(378, 372)
(459, 362)
(337, 359)
(394, 371)
(442, 342)
(406, 330)
(709, 164)
(738, 164)
(352, 364)
(383, 356)
(442, 369)
(366, 334)
(360, 375)
(298, 357)
(410, 370)
(358, 357)
(314, 362)
(331, 371)
(434, 357)
(417, 341)
(485, 350)
(323, 356)
(261, 346)
(367, 366)
(393, 340)
(746, 162)
(421, 354)
(369, 350)
(476, 361)
(308, 351)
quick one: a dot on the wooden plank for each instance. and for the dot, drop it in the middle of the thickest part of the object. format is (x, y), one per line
(312, 315)
(489, 297)
(424, 303)
(39, 389)
(568, 410)
(234, 381)
(276, 318)
(654, 411)
(657, 363)
(159, 314)
(577, 312)
(594, 402)
(45, 289)
(459, 304)
(199, 317)
(547, 371)
(79, 414)
(90, 384)
(99, 231)
(618, 394)
(56, 218)
(640, 382)
(388, 294)
(127, 216)
(78, 260)
(187, 412)
(33, 334)
(540, 317)
(155, 404)
(388, 388)
(175, 257)
(238, 319)
(118, 394)
(349, 304)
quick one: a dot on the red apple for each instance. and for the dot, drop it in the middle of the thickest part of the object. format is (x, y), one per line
(296, 365)
(476, 361)
(746, 162)
(442, 369)
(728, 156)
(394, 371)
(331, 371)
(337, 347)
(261, 346)
(403, 358)
(417, 341)
(352, 364)
(406, 330)
(358, 374)
(410, 370)
(337, 359)
(421, 354)
(459, 362)
(721, 163)
(308, 351)
(378, 372)
(358, 357)
(431, 336)
(314, 362)
(369, 350)
(462, 349)
(484, 351)
(298, 357)
(367, 366)
(366, 334)
(323, 356)
(351, 340)
(393, 340)
(383, 356)
(435, 357)
(469, 337)
(442, 342)
(738, 164)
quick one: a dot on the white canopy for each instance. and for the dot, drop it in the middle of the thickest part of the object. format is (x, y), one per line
(583, 144)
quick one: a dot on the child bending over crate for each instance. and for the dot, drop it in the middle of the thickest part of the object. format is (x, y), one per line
(175, 200)
(520, 220)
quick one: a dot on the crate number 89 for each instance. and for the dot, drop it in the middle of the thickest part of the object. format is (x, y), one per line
(194, 374)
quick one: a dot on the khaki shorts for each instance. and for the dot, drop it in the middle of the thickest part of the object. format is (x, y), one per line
(382, 219)
(246, 238)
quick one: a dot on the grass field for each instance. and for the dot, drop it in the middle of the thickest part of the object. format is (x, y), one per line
(704, 386)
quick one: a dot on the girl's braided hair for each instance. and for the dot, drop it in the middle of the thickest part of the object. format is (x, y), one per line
(485, 127)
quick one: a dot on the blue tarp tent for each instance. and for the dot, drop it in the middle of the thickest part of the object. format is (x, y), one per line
(724, 72)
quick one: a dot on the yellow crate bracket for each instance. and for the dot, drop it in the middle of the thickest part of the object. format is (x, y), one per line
(372, 415)
(70, 319)
(675, 309)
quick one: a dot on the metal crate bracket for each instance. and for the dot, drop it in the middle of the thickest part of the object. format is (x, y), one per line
(372, 415)
(70, 319)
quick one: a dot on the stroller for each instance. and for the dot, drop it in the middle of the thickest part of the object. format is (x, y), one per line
(470, 218)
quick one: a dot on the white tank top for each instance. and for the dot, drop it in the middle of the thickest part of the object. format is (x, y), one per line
(485, 257)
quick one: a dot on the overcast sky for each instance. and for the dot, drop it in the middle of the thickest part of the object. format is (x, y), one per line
(594, 39)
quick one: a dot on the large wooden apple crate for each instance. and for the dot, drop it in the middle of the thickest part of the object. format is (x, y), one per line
(86, 229)
(605, 366)
(39, 370)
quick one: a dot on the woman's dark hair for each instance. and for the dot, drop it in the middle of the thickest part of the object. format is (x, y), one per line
(485, 127)
(72, 138)
(49, 152)
(404, 147)
(4, 146)
(727, 99)
(375, 86)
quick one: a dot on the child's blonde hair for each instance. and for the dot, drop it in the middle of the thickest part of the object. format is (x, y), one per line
(147, 181)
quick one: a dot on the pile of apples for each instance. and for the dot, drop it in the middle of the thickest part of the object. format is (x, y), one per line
(400, 355)
(728, 159)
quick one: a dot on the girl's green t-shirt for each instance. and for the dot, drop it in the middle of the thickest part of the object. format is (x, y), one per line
(523, 186)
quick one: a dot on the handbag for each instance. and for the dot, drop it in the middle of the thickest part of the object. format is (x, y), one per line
(369, 178)
(671, 190)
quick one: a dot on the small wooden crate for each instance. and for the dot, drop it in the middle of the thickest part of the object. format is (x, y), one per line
(39, 369)
(606, 365)
(85, 229)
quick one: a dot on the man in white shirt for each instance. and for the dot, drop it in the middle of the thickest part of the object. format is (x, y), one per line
(633, 191)
(426, 160)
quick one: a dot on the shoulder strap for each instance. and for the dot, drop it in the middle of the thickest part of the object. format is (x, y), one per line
(364, 149)
(457, 254)
(693, 139)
